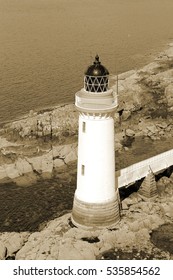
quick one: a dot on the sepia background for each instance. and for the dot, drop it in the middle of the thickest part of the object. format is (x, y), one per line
(45, 46)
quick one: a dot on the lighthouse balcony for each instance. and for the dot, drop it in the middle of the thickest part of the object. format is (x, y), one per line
(96, 102)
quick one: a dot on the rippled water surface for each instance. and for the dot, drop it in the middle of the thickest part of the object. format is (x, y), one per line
(46, 45)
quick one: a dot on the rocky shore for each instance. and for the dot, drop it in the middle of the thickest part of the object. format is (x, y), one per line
(41, 150)
(135, 237)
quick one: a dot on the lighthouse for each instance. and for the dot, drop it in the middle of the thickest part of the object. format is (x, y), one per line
(96, 200)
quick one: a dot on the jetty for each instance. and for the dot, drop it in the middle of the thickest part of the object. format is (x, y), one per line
(129, 175)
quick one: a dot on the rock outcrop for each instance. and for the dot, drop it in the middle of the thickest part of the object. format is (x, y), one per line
(58, 240)
(169, 97)
(23, 167)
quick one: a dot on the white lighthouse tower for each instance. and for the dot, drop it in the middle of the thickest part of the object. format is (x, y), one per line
(96, 203)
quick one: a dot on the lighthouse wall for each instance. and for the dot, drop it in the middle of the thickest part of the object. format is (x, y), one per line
(96, 159)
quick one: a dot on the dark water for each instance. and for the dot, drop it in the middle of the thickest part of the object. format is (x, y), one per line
(162, 237)
(46, 45)
(29, 208)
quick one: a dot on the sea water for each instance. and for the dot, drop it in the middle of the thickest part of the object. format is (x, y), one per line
(46, 45)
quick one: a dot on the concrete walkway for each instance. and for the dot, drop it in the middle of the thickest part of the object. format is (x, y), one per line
(134, 172)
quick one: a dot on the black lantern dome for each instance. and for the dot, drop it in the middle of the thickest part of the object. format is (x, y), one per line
(96, 77)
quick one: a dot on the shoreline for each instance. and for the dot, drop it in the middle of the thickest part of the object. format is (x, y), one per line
(43, 146)
(147, 115)
(152, 55)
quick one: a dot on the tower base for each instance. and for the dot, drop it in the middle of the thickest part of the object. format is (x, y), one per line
(95, 215)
